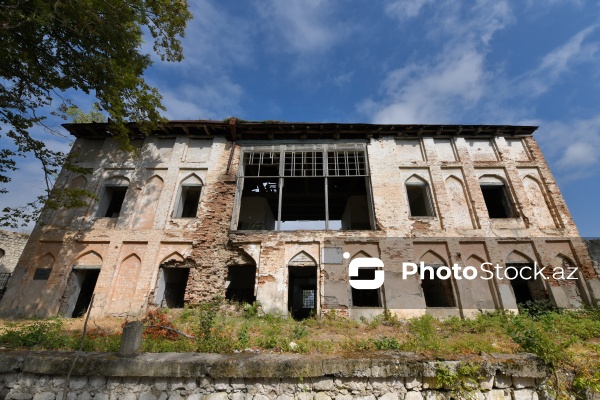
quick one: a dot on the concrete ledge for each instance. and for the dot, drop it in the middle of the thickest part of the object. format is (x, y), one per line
(188, 365)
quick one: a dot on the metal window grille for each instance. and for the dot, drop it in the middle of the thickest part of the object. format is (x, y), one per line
(308, 299)
(303, 163)
(346, 163)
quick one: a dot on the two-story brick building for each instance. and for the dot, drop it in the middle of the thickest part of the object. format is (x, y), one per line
(275, 212)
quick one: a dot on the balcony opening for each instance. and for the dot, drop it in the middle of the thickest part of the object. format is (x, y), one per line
(240, 283)
(316, 190)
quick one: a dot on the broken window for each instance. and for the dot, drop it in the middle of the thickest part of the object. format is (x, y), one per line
(496, 197)
(189, 198)
(437, 292)
(240, 283)
(304, 187)
(365, 297)
(113, 198)
(419, 201)
(170, 290)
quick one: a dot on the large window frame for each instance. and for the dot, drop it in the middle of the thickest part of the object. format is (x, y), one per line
(316, 161)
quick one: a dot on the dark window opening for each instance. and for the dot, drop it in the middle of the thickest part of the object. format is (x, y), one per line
(188, 202)
(112, 202)
(526, 288)
(497, 201)
(437, 292)
(85, 280)
(311, 190)
(240, 283)
(170, 291)
(419, 201)
(365, 297)
(302, 290)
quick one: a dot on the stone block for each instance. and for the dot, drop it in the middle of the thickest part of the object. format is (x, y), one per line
(413, 396)
(413, 382)
(389, 396)
(323, 384)
(131, 339)
(148, 396)
(502, 381)
(216, 396)
(525, 394)
(523, 382)
(498, 395)
(78, 382)
(101, 396)
(322, 396)
(96, 382)
(45, 396)
(85, 395)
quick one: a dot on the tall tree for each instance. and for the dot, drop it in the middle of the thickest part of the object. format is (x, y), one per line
(92, 46)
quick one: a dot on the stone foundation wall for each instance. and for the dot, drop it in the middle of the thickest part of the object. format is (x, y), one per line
(175, 376)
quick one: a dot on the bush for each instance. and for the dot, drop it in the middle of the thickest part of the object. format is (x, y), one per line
(48, 334)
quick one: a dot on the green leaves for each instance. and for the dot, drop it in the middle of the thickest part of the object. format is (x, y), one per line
(93, 46)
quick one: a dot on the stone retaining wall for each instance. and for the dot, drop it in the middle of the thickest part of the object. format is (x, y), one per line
(175, 376)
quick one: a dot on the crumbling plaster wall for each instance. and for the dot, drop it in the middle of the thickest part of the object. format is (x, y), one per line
(145, 235)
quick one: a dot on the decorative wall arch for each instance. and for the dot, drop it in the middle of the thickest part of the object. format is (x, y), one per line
(148, 202)
(89, 257)
(517, 257)
(361, 253)
(192, 180)
(302, 259)
(433, 258)
(174, 256)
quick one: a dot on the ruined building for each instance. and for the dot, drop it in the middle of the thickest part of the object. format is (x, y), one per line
(275, 212)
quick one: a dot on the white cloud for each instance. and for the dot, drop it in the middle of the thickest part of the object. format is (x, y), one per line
(405, 9)
(559, 62)
(306, 26)
(573, 146)
(441, 88)
(431, 94)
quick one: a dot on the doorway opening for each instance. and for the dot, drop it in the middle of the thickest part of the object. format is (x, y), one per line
(83, 289)
(302, 291)
(240, 283)
(525, 286)
(170, 290)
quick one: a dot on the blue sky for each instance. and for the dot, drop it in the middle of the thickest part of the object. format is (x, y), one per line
(533, 62)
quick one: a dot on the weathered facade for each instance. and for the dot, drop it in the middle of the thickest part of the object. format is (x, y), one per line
(275, 212)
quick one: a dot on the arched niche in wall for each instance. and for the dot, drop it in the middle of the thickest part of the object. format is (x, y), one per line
(459, 203)
(482, 290)
(371, 298)
(538, 202)
(569, 279)
(148, 203)
(126, 282)
(188, 197)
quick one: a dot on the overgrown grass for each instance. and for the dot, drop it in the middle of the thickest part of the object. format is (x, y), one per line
(564, 340)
